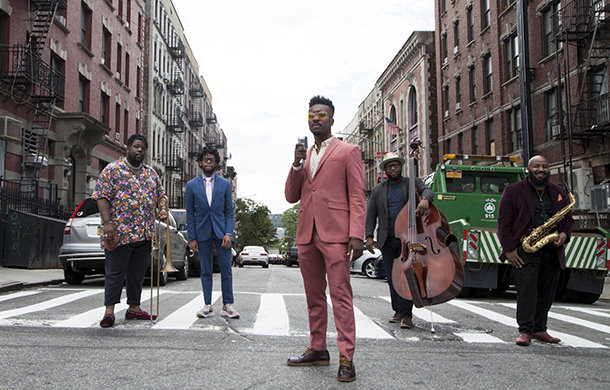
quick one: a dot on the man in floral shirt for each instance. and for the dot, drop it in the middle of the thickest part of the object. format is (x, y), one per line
(127, 193)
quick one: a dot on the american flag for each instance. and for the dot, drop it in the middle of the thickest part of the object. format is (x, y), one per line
(392, 127)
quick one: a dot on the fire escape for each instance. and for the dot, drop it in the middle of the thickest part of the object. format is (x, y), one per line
(196, 117)
(177, 125)
(584, 26)
(33, 81)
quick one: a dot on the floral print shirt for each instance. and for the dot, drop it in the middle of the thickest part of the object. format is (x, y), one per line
(133, 200)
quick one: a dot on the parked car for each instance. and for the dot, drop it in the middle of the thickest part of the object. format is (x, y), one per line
(292, 257)
(194, 264)
(81, 253)
(276, 258)
(256, 255)
(369, 264)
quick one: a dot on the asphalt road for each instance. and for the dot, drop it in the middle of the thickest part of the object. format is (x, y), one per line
(50, 339)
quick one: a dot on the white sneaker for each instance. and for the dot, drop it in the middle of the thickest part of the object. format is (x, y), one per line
(228, 311)
(206, 311)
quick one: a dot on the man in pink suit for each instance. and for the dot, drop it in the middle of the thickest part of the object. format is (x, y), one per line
(328, 180)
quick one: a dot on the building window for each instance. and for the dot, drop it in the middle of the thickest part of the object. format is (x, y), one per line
(446, 100)
(117, 120)
(445, 49)
(490, 137)
(126, 78)
(59, 67)
(140, 19)
(448, 146)
(460, 141)
(470, 24)
(413, 108)
(458, 93)
(473, 84)
(119, 60)
(475, 140)
(511, 55)
(125, 126)
(106, 41)
(487, 82)
(552, 112)
(550, 26)
(138, 76)
(85, 26)
(484, 14)
(104, 108)
(83, 94)
(515, 141)
(443, 5)
(456, 37)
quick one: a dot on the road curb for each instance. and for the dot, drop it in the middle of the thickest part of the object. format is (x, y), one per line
(14, 286)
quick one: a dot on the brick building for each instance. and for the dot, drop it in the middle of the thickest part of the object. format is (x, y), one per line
(480, 107)
(405, 93)
(78, 77)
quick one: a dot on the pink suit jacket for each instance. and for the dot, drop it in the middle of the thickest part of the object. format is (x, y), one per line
(334, 199)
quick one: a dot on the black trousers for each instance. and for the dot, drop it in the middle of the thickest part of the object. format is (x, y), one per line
(391, 250)
(126, 263)
(536, 284)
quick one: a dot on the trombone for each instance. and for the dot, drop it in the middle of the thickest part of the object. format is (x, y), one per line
(156, 242)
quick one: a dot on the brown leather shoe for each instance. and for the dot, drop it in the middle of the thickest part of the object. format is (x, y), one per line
(311, 358)
(395, 319)
(406, 323)
(523, 339)
(347, 371)
(544, 336)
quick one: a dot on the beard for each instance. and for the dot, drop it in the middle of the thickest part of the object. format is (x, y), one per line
(535, 181)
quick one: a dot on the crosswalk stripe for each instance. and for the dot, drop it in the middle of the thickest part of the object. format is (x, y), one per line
(272, 317)
(186, 315)
(47, 304)
(426, 314)
(365, 327)
(571, 320)
(566, 339)
(479, 338)
(19, 294)
(593, 312)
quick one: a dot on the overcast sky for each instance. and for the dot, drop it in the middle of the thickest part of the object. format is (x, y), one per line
(263, 61)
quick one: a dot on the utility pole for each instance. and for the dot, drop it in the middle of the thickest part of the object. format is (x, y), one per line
(527, 132)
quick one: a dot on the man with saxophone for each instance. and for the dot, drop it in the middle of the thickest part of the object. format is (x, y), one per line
(127, 193)
(530, 210)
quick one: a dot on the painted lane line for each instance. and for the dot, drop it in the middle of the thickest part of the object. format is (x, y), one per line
(19, 294)
(272, 316)
(47, 304)
(186, 315)
(365, 327)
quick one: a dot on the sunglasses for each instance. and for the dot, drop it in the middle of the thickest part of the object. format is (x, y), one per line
(321, 114)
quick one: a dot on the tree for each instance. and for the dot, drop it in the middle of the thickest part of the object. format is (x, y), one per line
(289, 219)
(252, 224)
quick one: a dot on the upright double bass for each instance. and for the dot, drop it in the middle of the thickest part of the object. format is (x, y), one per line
(427, 271)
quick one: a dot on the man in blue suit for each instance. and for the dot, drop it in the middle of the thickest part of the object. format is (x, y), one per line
(209, 218)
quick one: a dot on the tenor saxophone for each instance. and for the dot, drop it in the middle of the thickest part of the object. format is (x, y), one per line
(546, 232)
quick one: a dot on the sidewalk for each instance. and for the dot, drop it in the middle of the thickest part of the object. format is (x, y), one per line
(18, 278)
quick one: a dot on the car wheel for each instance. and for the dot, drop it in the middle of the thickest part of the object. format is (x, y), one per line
(73, 277)
(183, 273)
(241, 265)
(368, 268)
(265, 265)
(164, 275)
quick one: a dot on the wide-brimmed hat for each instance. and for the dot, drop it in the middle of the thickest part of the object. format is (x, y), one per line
(389, 157)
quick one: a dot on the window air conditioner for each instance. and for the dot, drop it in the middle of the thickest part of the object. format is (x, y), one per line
(118, 75)
(458, 106)
(61, 20)
(117, 136)
(456, 49)
(600, 198)
(582, 180)
(447, 113)
(445, 61)
(10, 128)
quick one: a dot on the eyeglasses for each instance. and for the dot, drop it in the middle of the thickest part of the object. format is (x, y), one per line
(393, 166)
(321, 114)
(208, 159)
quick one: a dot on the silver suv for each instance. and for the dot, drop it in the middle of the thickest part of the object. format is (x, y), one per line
(81, 253)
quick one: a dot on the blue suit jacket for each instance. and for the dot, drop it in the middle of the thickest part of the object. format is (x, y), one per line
(201, 218)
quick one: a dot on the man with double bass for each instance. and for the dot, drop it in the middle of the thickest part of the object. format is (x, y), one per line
(387, 199)
(524, 206)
